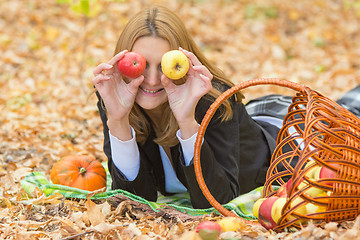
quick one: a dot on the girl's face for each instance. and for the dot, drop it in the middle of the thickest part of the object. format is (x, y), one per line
(151, 93)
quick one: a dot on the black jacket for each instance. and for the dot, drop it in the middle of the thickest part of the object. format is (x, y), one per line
(234, 158)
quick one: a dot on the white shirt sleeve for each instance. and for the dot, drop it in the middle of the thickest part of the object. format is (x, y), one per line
(125, 155)
(188, 146)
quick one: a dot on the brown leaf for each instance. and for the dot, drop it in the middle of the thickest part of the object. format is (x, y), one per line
(94, 213)
(130, 232)
(68, 228)
(192, 235)
(105, 228)
(139, 210)
(80, 219)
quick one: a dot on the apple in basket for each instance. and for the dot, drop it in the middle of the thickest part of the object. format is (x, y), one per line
(328, 173)
(282, 191)
(301, 207)
(313, 174)
(310, 190)
(270, 211)
(256, 207)
(298, 206)
(312, 170)
(276, 210)
(288, 185)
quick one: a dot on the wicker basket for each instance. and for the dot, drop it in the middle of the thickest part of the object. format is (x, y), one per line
(320, 133)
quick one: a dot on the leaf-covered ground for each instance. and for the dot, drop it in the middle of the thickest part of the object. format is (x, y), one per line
(48, 109)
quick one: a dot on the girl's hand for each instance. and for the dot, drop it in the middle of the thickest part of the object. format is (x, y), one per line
(184, 98)
(118, 96)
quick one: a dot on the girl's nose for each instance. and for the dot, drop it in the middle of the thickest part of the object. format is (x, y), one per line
(152, 76)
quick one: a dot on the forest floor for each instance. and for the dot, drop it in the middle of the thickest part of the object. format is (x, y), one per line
(48, 109)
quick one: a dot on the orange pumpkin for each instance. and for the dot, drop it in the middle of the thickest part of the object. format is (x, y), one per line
(79, 171)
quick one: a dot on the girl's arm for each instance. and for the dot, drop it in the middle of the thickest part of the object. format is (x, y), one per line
(119, 180)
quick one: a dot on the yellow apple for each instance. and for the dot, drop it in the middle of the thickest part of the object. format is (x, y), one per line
(231, 224)
(313, 208)
(313, 173)
(316, 173)
(174, 64)
(257, 206)
(312, 191)
(319, 209)
(277, 208)
(310, 162)
(301, 210)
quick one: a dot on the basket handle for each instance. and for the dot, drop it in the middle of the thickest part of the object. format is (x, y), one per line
(210, 112)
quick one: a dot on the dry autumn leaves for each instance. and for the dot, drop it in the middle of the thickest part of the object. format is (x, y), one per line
(48, 109)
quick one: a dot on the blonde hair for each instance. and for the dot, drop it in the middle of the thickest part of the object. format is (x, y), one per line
(160, 22)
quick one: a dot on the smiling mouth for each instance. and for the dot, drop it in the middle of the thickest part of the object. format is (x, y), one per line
(149, 91)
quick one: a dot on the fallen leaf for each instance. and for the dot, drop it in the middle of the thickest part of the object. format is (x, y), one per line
(94, 213)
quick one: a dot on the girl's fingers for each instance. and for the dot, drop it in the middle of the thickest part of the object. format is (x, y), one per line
(195, 61)
(117, 57)
(196, 65)
(167, 83)
(101, 67)
(206, 81)
(203, 70)
(109, 65)
(135, 83)
(100, 78)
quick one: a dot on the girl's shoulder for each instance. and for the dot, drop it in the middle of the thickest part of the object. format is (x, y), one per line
(220, 85)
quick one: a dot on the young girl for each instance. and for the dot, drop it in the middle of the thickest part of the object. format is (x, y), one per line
(151, 122)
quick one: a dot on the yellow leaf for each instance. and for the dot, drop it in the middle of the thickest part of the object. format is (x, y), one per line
(5, 40)
(293, 15)
(51, 33)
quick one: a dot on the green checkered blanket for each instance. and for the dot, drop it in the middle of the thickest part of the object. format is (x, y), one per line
(242, 205)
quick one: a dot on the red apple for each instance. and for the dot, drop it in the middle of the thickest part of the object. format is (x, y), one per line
(327, 173)
(291, 183)
(265, 218)
(132, 65)
(288, 185)
(209, 230)
(281, 191)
